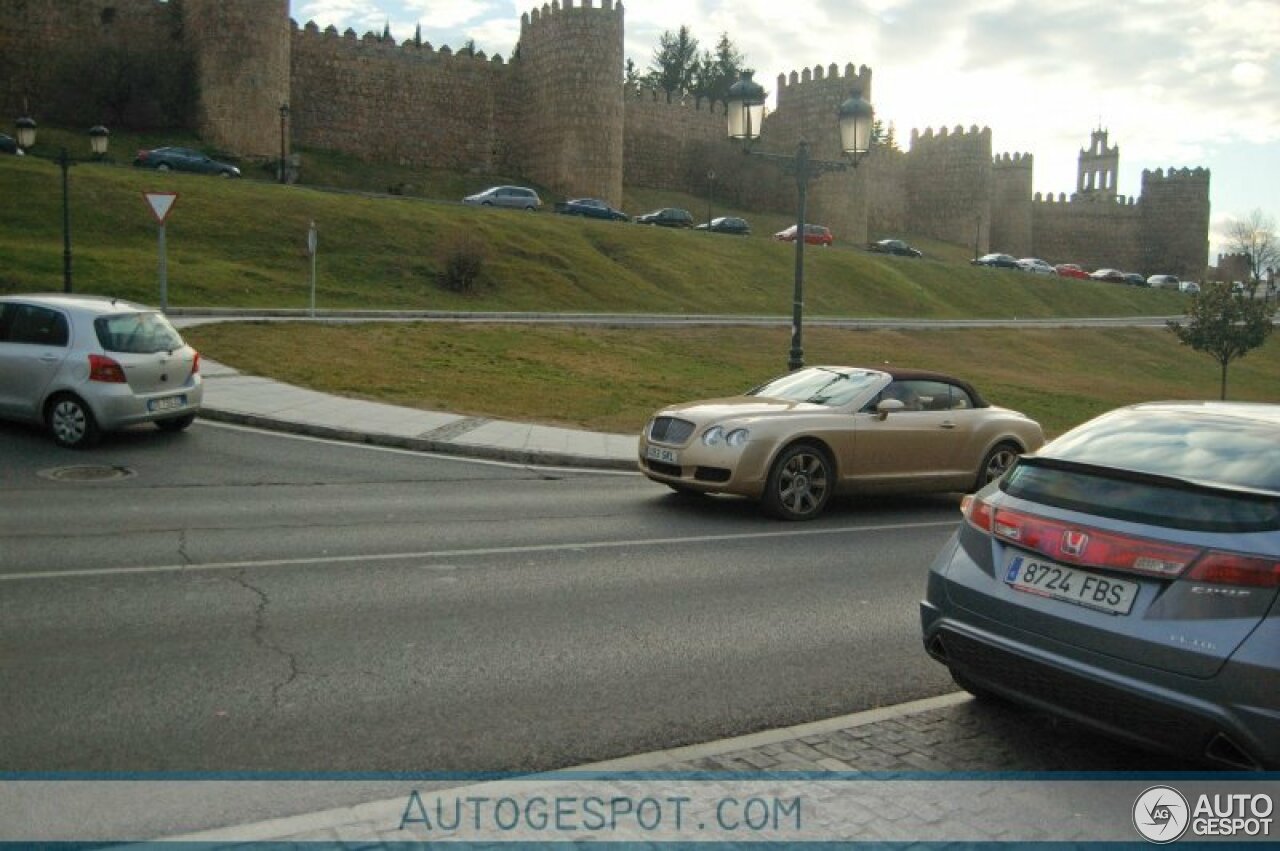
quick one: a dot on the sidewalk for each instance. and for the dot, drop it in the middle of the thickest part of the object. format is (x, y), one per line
(230, 396)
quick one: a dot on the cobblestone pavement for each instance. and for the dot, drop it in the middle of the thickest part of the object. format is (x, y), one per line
(946, 735)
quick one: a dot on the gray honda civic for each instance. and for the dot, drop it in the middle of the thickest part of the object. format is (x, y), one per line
(1126, 576)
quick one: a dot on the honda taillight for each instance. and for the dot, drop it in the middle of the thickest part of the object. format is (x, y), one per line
(976, 512)
(195, 362)
(142, 155)
(1234, 569)
(104, 369)
(1091, 547)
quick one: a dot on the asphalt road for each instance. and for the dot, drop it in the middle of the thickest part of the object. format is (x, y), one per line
(247, 601)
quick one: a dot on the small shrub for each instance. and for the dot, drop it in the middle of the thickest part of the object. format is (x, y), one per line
(462, 257)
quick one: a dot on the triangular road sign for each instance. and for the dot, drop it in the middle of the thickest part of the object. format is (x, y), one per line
(161, 203)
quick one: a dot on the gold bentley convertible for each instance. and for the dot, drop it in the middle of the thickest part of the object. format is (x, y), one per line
(795, 441)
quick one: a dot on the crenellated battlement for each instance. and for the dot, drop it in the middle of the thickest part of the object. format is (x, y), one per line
(646, 93)
(548, 13)
(945, 136)
(1012, 161)
(1175, 175)
(1087, 205)
(851, 78)
(311, 36)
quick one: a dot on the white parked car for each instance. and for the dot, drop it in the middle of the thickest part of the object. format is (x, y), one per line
(1036, 266)
(81, 365)
(1166, 282)
(1188, 287)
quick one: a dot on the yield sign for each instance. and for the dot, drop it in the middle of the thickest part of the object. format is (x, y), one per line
(161, 203)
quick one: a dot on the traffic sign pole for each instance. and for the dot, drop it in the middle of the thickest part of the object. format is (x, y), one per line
(312, 244)
(161, 203)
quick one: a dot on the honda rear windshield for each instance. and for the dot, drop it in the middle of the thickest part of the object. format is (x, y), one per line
(1141, 498)
(136, 334)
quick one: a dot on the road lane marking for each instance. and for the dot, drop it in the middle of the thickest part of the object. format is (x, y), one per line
(580, 546)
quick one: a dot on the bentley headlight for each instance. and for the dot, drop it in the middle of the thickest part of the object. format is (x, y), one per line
(713, 436)
(737, 437)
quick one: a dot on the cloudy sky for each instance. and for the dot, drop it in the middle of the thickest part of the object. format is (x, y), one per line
(1176, 82)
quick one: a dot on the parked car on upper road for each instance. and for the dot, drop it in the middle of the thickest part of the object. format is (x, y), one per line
(726, 224)
(81, 365)
(667, 217)
(894, 246)
(1168, 282)
(514, 197)
(1071, 270)
(1002, 261)
(1112, 276)
(813, 235)
(591, 208)
(8, 144)
(1188, 287)
(1126, 576)
(1036, 266)
(184, 159)
(1133, 279)
(797, 440)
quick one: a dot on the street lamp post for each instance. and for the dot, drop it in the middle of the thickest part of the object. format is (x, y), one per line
(284, 121)
(98, 138)
(711, 191)
(745, 114)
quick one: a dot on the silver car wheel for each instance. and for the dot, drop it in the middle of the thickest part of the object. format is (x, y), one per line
(71, 423)
(799, 484)
(998, 461)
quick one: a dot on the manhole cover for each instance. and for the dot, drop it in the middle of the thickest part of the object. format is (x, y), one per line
(86, 473)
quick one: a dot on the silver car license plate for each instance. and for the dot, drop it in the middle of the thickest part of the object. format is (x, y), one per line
(665, 456)
(1049, 579)
(168, 403)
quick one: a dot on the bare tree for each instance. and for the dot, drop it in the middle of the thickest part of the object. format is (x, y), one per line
(1224, 325)
(1255, 236)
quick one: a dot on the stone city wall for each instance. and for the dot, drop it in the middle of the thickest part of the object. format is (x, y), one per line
(949, 183)
(43, 41)
(1093, 234)
(405, 104)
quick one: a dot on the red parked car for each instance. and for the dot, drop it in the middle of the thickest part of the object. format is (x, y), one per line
(1071, 270)
(813, 235)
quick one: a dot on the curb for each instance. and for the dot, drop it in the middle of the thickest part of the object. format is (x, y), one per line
(532, 457)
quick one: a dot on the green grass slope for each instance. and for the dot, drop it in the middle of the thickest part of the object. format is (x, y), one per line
(241, 243)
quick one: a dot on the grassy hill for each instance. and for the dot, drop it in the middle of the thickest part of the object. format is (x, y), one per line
(241, 243)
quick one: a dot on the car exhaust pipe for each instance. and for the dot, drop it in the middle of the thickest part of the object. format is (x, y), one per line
(1222, 749)
(935, 648)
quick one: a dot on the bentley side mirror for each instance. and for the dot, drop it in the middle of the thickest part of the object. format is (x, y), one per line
(888, 406)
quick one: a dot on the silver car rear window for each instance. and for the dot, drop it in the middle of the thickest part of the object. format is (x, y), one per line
(136, 333)
(1142, 499)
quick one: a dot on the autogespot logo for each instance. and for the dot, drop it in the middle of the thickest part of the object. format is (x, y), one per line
(1161, 815)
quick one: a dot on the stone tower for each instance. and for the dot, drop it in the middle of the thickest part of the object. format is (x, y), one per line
(1175, 222)
(570, 63)
(1011, 229)
(1096, 174)
(241, 50)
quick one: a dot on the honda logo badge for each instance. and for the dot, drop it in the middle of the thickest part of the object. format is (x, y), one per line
(1074, 542)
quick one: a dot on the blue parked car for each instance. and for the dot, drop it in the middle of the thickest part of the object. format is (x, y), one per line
(184, 159)
(592, 208)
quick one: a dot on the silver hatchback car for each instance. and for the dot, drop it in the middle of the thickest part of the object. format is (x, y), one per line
(82, 365)
(1126, 576)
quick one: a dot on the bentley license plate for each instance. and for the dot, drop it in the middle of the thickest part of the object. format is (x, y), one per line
(1049, 579)
(665, 456)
